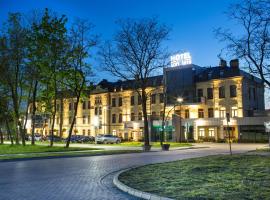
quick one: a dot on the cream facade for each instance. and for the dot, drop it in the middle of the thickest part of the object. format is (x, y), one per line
(210, 95)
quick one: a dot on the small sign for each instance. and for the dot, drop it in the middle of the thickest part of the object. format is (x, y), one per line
(267, 126)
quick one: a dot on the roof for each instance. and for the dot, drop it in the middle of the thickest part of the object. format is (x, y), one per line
(153, 81)
(223, 72)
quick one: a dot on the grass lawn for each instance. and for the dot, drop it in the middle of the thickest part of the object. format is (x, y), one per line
(154, 144)
(15, 149)
(38, 151)
(213, 177)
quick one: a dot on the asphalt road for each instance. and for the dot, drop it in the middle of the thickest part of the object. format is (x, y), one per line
(88, 178)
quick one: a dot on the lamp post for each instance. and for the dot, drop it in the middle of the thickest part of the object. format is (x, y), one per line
(228, 132)
(180, 101)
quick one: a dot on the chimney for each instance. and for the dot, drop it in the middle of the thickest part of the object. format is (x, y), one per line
(234, 63)
(222, 63)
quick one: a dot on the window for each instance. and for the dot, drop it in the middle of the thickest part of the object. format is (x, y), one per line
(154, 114)
(57, 120)
(234, 112)
(88, 119)
(200, 93)
(222, 113)
(89, 105)
(161, 98)
(210, 112)
(69, 119)
(57, 107)
(84, 105)
(97, 100)
(100, 111)
(232, 90)
(221, 92)
(140, 116)
(161, 114)
(89, 132)
(96, 110)
(132, 117)
(153, 98)
(120, 119)
(254, 93)
(209, 93)
(139, 100)
(113, 118)
(132, 100)
(200, 113)
(201, 132)
(100, 125)
(120, 101)
(113, 102)
(187, 113)
(70, 106)
(211, 132)
(83, 131)
(84, 120)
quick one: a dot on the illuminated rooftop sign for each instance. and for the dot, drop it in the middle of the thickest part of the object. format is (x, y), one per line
(181, 59)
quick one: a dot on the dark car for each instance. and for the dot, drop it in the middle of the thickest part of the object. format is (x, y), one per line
(55, 138)
(84, 139)
(74, 138)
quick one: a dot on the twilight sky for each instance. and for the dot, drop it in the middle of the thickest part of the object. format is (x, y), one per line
(192, 21)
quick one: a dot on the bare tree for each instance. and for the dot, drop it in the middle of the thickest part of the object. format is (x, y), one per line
(136, 52)
(253, 46)
(79, 70)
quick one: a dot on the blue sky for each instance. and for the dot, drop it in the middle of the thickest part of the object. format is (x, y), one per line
(192, 21)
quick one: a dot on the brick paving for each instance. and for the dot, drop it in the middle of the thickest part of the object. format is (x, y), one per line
(88, 178)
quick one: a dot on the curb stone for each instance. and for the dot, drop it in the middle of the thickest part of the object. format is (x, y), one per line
(135, 192)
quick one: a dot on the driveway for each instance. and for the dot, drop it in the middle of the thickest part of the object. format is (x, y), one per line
(88, 178)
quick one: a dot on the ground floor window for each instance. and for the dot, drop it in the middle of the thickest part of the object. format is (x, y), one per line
(201, 132)
(211, 132)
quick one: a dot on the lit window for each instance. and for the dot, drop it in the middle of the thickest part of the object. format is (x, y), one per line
(211, 132)
(234, 112)
(201, 132)
(222, 113)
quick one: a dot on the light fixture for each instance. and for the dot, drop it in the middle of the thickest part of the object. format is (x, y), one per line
(179, 99)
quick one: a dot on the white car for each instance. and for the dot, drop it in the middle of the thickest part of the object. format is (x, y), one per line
(37, 137)
(106, 139)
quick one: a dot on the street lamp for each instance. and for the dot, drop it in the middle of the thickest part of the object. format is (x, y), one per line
(180, 101)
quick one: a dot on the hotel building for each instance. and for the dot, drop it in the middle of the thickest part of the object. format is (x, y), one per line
(209, 95)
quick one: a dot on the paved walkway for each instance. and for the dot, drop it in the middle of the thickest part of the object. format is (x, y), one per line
(84, 178)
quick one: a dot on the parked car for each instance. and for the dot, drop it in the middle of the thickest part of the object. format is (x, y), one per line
(37, 137)
(55, 138)
(74, 138)
(84, 139)
(106, 139)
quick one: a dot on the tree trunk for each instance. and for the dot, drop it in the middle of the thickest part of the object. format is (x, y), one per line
(145, 117)
(34, 113)
(53, 113)
(73, 120)
(1, 137)
(22, 133)
(9, 132)
(61, 116)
